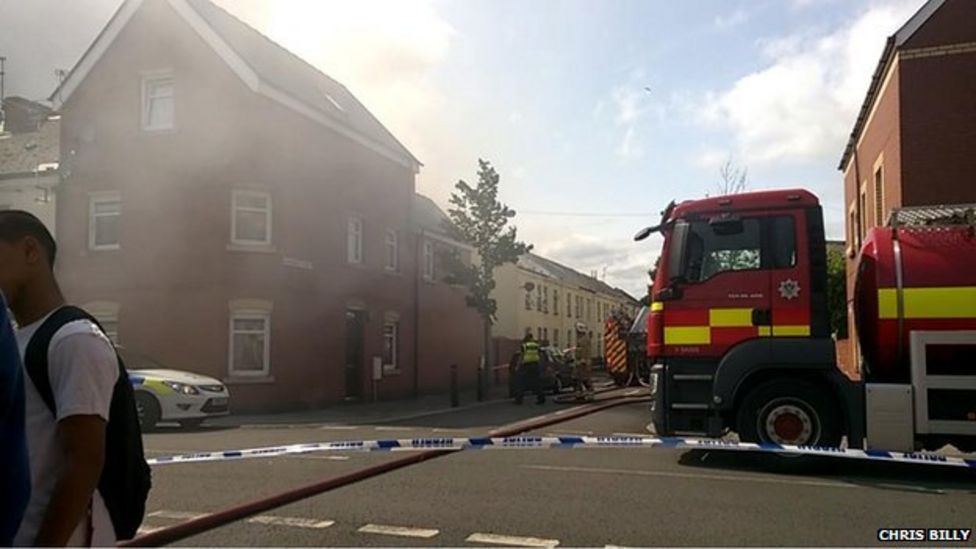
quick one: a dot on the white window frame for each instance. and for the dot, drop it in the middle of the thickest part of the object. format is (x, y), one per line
(267, 211)
(391, 243)
(101, 198)
(354, 253)
(149, 80)
(428, 260)
(394, 366)
(245, 314)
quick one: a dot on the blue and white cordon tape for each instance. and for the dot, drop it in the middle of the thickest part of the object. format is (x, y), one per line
(533, 442)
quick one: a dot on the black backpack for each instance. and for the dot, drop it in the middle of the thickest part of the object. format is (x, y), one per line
(126, 478)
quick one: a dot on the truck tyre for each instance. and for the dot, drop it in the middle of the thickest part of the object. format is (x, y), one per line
(794, 412)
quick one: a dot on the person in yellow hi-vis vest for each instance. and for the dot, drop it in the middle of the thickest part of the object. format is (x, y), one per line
(530, 371)
(583, 358)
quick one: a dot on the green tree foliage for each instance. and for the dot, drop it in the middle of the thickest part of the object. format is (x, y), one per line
(479, 219)
(837, 291)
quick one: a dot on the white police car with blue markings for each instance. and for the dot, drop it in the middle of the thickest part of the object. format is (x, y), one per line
(167, 395)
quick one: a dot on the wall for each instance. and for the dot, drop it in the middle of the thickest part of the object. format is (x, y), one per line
(23, 194)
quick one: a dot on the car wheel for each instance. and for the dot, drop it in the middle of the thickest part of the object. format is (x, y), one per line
(191, 423)
(148, 409)
(793, 412)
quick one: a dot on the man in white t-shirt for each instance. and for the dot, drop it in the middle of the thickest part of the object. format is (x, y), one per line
(66, 452)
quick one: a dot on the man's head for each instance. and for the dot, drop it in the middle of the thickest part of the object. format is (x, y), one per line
(580, 328)
(27, 252)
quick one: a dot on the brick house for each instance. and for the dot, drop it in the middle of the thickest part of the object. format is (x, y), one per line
(232, 211)
(913, 141)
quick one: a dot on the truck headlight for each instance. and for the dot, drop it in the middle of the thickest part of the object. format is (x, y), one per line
(182, 388)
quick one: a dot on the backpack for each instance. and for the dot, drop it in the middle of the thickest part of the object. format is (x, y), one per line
(126, 478)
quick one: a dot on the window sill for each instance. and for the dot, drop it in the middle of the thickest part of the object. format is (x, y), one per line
(245, 380)
(252, 248)
(158, 131)
(392, 272)
(391, 372)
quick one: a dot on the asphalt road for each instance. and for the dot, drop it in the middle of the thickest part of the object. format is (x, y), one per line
(584, 497)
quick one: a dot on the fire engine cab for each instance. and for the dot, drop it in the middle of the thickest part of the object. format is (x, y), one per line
(740, 335)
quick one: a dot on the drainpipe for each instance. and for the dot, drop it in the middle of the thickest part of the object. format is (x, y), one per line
(417, 258)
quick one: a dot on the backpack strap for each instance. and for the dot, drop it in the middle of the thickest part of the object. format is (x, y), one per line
(35, 356)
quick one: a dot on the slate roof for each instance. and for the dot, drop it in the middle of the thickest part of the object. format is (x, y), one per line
(22, 153)
(429, 216)
(549, 268)
(295, 76)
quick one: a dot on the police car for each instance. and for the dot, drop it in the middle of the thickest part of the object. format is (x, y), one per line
(167, 395)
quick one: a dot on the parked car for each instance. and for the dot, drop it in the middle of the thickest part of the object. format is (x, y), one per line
(558, 375)
(165, 394)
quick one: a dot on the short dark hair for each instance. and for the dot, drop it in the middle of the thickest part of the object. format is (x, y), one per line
(17, 224)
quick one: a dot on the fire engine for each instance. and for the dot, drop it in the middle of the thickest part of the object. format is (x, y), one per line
(740, 337)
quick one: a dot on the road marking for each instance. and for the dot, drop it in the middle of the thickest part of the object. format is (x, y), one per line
(176, 515)
(511, 541)
(402, 531)
(383, 428)
(338, 427)
(147, 529)
(744, 478)
(295, 522)
(321, 458)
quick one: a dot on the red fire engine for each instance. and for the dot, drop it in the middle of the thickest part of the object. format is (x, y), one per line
(740, 336)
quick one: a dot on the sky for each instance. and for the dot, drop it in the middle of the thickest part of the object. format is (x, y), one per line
(596, 114)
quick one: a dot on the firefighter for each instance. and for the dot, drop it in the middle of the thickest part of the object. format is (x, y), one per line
(529, 374)
(584, 353)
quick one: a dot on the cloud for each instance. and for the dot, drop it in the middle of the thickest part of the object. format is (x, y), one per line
(625, 263)
(630, 107)
(734, 19)
(801, 106)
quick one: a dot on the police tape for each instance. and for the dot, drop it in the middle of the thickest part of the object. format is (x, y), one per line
(563, 442)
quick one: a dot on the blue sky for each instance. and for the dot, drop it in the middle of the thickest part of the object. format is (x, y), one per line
(552, 92)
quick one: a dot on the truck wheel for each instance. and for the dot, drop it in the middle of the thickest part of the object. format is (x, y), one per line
(792, 412)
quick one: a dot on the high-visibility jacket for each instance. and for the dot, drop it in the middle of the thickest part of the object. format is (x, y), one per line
(530, 352)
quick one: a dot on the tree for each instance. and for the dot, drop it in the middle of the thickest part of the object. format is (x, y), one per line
(734, 179)
(479, 219)
(837, 292)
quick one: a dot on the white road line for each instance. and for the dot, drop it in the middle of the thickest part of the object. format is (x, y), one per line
(741, 478)
(320, 458)
(295, 522)
(402, 531)
(511, 541)
(382, 428)
(176, 515)
(338, 427)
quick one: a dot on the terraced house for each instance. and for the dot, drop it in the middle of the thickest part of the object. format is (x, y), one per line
(237, 213)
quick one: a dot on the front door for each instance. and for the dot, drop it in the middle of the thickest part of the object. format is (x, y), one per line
(355, 339)
(724, 290)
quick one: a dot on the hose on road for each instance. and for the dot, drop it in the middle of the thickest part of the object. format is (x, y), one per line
(172, 534)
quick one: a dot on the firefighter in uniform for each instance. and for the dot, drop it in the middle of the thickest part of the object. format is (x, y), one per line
(529, 371)
(584, 354)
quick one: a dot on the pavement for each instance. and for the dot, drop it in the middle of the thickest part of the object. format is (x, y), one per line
(544, 498)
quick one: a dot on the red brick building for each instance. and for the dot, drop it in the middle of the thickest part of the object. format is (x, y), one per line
(230, 210)
(914, 141)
